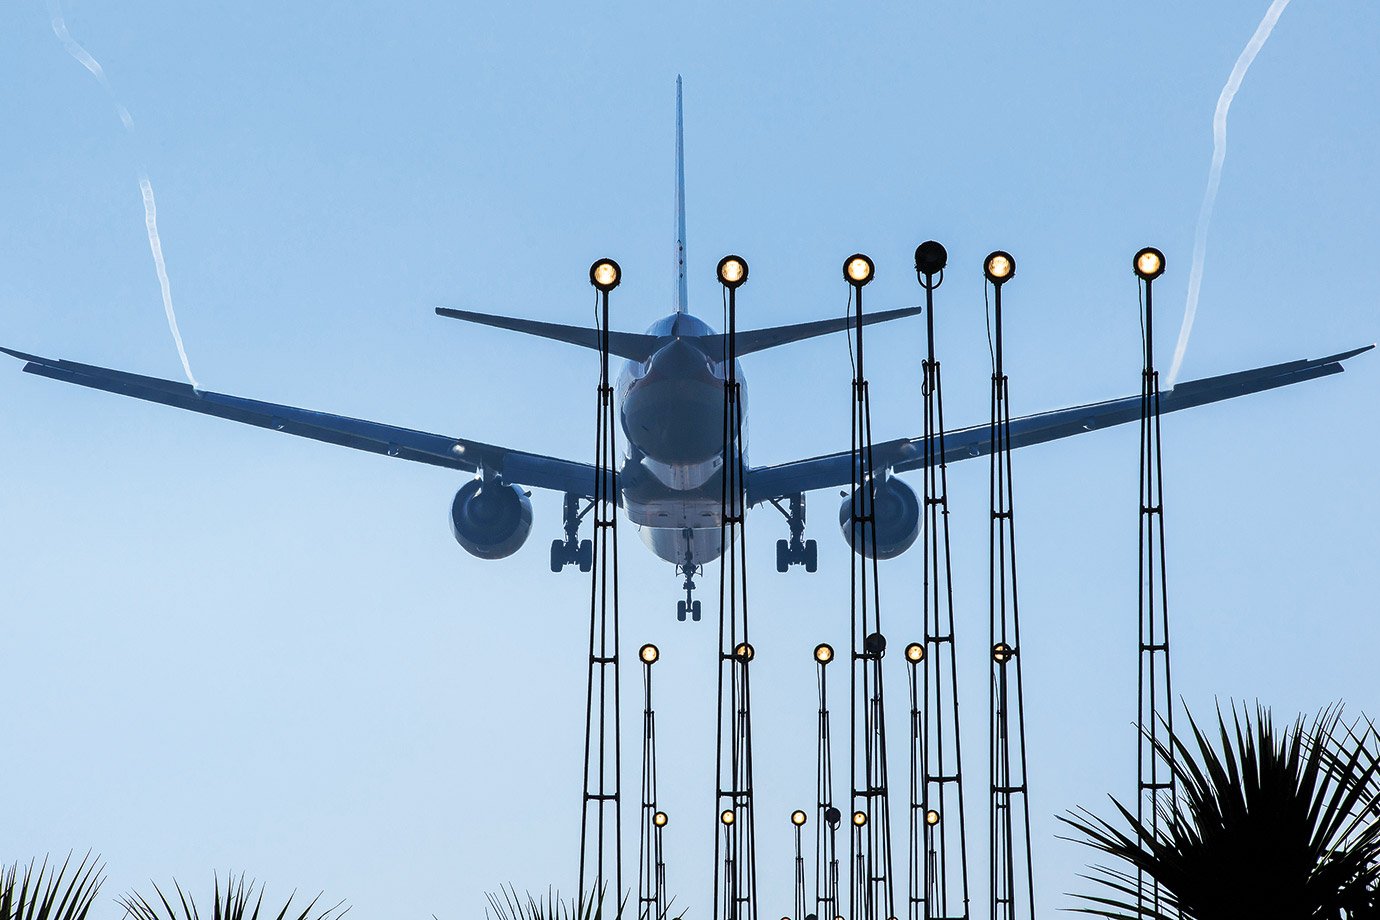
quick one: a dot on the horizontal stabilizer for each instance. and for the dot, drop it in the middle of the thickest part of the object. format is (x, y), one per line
(631, 345)
(640, 347)
(762, 339)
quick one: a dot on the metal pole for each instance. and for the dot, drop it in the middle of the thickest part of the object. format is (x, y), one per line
(601, 839)
(873, 895)
(942, 853)
(1012, 869)
(735, 891)
(1156, 781)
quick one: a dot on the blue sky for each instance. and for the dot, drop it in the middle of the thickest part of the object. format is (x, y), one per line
(231, 650)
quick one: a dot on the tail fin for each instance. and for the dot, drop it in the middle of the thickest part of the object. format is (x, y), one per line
(682, 304)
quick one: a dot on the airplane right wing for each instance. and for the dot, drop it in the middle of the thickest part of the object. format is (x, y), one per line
(768, 482)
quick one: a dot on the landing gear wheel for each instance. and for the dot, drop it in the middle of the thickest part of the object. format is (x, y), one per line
(796, 550)
(680, 611)
(694, 612)
(572, 550)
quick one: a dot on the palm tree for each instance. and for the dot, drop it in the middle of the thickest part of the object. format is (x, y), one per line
(43, 893)
(1273, 825)
(237, 901)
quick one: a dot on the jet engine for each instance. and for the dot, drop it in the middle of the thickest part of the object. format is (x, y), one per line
(490, 519)
(897, 519)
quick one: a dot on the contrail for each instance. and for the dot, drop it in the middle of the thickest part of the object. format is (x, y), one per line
(156, 247)
(87, 60)
(84, 58)
(1219, 155)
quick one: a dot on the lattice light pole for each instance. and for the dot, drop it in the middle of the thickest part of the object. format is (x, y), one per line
(601, 837)
(827, 815)
(651, 871)
(872, 896)
(1155, 780)
(939, 816)
(915, 853)
(798, 819)
(735, 848)
(1012, 873)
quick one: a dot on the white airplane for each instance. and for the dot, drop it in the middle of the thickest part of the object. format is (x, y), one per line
(670, 396)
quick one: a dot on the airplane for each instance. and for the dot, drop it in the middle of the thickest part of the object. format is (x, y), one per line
(670, 397)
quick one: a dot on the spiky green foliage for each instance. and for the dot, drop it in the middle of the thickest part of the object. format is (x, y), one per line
(1274, 824)
(42, 893)
(507, 904)
(240, 899)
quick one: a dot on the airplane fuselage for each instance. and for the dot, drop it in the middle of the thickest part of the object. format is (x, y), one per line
(672, 411)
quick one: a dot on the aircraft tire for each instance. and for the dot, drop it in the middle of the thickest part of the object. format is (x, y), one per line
(811, 555)
(680, 611)
(585, 555)
(557, 555)
(783, 556)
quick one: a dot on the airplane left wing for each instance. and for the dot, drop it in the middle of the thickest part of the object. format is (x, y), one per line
(768, 482)
(515, 466)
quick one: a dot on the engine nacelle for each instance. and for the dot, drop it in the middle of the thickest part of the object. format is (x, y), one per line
(492, 519)
(897, 519)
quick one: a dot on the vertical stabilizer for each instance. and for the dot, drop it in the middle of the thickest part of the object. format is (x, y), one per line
(681, 300)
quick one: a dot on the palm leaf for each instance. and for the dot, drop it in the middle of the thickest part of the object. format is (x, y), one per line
(240, 899)
(41, 893)
(1268, 823)
(507, 904)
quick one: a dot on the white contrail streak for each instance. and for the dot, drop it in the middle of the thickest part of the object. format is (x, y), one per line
(87, 60)
(1219, 155)
(156, 247)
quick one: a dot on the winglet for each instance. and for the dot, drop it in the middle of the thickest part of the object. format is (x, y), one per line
(19, 354)
(682, 301)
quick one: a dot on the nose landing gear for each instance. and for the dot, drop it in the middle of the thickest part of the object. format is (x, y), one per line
(796, 550)
(689, 569)
(689, 605)
(572, 550)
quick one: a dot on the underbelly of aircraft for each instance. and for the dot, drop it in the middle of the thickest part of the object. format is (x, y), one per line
(695, 546)
(672, 523)
(676, 507)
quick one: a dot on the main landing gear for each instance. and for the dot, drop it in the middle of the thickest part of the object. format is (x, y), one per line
(572, 550)
(689, 569)
(796, 550)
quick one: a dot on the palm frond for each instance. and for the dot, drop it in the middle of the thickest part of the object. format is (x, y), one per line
(1268, 822)
(240, 898)
(42, 893)
(507, 904)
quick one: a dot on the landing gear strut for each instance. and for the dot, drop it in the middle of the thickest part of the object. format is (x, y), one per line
(796, 550)
(689, 569)
(572, 550)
